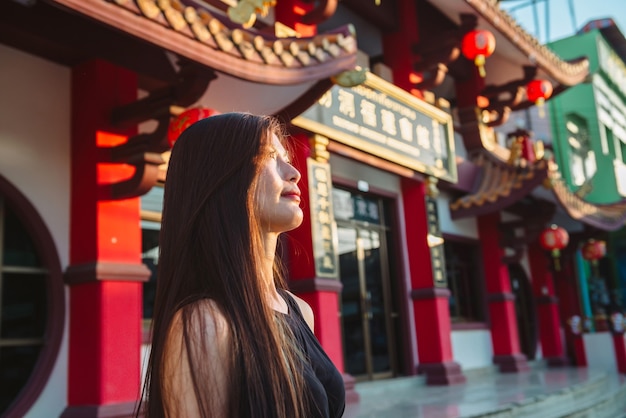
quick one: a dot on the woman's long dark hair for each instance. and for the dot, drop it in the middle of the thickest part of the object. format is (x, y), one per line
(210, 247)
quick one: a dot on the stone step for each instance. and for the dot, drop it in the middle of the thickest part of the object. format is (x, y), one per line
(602, 396)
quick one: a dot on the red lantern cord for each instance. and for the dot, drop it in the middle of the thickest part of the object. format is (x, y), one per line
(477, 45)
(554, 239)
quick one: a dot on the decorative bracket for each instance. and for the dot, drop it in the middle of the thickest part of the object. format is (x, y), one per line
(143, 151)
(321, 12)
(513, 241)
(434, 57)
(499, 108)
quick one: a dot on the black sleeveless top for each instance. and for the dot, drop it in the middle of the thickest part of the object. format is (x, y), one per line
(320, 374)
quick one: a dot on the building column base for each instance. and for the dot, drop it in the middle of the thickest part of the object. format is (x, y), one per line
(619, 343)
(511, 363)
(448, 373)
(557, 361)
(352, 396)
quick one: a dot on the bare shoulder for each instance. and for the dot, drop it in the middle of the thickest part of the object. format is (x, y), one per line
(205, 320)
(306, 310)
(207, 323)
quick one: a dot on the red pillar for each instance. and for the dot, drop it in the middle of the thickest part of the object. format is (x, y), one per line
(566, 290)
(319, 292)
(547, 307)
(504, 333)
(398, 46)
(430, 303)
(620, 351)
(105, 271)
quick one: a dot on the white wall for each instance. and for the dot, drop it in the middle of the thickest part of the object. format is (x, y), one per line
(35, 158)
(600, 351)
(465, 227)
(472, 349)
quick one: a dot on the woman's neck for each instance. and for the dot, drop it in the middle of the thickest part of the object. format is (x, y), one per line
(274, 300)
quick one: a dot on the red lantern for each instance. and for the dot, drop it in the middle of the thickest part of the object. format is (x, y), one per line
(593, 250)
(538, 91)
(184, 120)
(477, 45)
(554, 239)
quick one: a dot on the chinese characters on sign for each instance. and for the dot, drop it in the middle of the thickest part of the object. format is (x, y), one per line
(384, 120)
(436, 244)
(322, 221)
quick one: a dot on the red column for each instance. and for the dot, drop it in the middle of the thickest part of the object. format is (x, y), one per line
(398, 46)
(105, 271)
(504, 333)
(566, 290)
(620, 351)
(430, 303)
(547, 307)
(319, 292)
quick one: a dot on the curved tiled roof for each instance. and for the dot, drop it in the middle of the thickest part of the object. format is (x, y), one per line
(608, 217)
(500, 185)
(210, 40)
(565, 72)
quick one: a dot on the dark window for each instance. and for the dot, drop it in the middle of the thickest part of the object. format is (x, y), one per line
(23, 305)
(465, 281)
(151, 208)
(150, 257)
(582, 160)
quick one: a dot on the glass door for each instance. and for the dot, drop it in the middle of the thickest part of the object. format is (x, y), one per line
(366, 313)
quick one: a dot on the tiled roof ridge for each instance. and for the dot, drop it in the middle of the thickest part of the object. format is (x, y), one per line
(213, 31)
(568, 72)
(499, 182)
(244, 53)
(604, 216)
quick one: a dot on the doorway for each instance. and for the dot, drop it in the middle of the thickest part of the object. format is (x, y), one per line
(366, 301)
(525, 310)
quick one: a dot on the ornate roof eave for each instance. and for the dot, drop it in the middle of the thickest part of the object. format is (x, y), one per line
(568, 73)
(609, 217)
(500, 185)
(206, 39)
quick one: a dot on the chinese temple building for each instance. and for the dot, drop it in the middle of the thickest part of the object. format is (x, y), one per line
(425, 206)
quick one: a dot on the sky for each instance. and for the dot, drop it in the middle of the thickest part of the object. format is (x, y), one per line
(563, 18)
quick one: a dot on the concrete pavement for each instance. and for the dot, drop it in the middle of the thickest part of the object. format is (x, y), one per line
(541, 392)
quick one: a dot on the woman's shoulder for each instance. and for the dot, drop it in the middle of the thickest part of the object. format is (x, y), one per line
(305, 309)
(203, 316)
(198, 321)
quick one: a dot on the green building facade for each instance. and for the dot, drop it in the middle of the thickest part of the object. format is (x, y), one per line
(588, 123)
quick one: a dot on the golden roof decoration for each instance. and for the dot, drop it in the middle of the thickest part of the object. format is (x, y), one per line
(213, 40)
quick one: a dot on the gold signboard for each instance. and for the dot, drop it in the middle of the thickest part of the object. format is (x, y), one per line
(322, 220)
(384, 120)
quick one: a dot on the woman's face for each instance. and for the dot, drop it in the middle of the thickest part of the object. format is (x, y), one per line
(278, 195)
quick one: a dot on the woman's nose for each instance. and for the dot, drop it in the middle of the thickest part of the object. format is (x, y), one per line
(293, 173)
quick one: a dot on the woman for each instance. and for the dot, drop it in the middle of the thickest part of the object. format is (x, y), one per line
(228, 339)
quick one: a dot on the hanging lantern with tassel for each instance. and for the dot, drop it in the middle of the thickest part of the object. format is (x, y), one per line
(592, 251)
(185, 120)
(554, 239)
(538, 91)
(477, 45)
